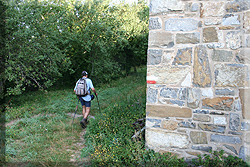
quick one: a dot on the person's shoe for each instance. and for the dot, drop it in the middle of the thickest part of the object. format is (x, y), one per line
(83, 123)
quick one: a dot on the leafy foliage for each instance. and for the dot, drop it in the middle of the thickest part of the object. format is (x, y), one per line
(35, 58)
(217, 158)
(55, 40)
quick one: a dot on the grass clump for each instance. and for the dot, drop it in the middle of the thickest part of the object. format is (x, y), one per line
(39, 131)
(44, 138)
(219, 159)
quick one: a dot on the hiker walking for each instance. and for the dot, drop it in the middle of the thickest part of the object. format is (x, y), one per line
(82, 90)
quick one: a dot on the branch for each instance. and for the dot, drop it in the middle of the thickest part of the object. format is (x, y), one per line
(35, 82)
(139, 132)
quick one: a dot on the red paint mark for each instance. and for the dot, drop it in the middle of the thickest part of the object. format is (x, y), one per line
(151, 82)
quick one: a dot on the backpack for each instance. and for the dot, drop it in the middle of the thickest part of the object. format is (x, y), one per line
(81, 88)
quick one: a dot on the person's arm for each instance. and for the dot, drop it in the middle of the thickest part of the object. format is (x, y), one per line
(92, 86)
(93, 89)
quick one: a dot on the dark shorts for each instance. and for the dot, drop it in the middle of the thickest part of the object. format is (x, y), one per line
(85, 103)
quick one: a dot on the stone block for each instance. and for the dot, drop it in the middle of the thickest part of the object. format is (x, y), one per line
(225, 139)
(228, 28)
(213, 9)
(202, 72)
(160, 6)
(242, 153)
(198, 137)
(188, 38)
(235, 133)
(202, 148)
(231, 148)
(155, 23)
(153, 123)
(210, 35)
(218, 103)
(169, 125)
(174, 93)
(207, 92)
(195, 7)
(234, 39)
(202, 118)
(247, 138)
(212, 128)
(225, 92)
(242, 56)
(231, 19)
(169, 93)
(237, 6)
(222, 55)
(182, 94)
(177, 102)
(187, 82)
(248, 42)
(237, 104)
(154, 56)
(234, 121)
(212, 21)
(161, 139)
(168, 75)
(216, 45)
(187, 125)
(152, 95)
(245, 102)
(201, 111)
(171, 101)
(245, 126)
(193, 98)
(231, 75)
(160, 39)
(165, 111)
(220, 121)
(186, 24)
(183, 57)
(167, 57)
(217, 113)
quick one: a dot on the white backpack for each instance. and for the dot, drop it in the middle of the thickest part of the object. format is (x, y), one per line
(81, 88)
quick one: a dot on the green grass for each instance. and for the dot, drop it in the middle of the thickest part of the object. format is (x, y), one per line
(39, 131)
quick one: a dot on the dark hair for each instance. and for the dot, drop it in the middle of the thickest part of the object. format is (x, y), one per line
(84, 73)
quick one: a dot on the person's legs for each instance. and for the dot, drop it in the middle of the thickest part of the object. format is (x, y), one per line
(83, 121)
(86, 113)
(83, 110)
(87, 109)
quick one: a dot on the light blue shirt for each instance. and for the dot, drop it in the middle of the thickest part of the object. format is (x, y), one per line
(89, 86)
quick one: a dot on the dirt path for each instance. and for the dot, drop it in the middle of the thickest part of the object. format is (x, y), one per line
(16, 120)
(79, 144)
(76, 154)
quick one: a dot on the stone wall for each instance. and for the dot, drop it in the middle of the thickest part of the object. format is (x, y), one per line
(198, 87)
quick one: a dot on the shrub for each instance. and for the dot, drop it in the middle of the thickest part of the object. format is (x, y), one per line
(218, 158)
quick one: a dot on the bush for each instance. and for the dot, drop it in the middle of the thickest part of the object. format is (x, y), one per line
(217, 158)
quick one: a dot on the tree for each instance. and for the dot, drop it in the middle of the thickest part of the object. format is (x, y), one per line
(55, 40)
(35, 58)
